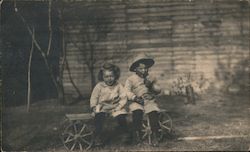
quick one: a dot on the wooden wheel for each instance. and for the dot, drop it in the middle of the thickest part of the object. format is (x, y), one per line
(77, 136)
(146, 131)
(165, 123)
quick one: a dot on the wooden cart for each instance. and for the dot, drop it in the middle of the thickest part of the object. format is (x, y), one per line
(78, 130)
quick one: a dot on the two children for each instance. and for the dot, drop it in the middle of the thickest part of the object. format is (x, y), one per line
(109, 96)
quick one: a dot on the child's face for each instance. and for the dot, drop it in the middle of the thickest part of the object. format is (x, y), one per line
(141, 70)
(108, 77)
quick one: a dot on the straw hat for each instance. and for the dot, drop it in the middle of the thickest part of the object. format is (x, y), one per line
(141, 58)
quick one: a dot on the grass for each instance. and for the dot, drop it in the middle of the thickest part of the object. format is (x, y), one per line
(213, 114)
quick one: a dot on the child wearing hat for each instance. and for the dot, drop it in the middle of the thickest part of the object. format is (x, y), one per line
(141, 90)
(108, 97)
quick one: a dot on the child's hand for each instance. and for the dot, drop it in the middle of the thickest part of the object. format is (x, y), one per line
(97, 108)
(139, 100)
(148, 96)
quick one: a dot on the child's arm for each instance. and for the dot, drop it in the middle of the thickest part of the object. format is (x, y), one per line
(95, 96)
(122, 97)
(130, 95)
(128, 90)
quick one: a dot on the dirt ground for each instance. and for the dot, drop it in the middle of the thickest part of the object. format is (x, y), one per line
(214, 114)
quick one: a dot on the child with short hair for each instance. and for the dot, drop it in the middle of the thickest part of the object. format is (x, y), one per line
(108, 97)
(141, 90)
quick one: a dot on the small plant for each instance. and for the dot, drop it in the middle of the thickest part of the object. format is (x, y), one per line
(189, 86)
(179, 85)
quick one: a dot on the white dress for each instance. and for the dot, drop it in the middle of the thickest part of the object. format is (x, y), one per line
(109, 99)
(135, 86)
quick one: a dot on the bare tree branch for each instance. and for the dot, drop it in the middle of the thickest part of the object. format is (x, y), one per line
(29, 69)
(39, 48)
(63, 51)
(49, 26)
(1, 1)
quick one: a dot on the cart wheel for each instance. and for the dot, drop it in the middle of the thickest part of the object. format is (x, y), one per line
(146, 131)
(165, 122)
(77, 136)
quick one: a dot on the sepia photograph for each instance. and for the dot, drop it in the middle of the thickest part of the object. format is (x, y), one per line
(125, 75)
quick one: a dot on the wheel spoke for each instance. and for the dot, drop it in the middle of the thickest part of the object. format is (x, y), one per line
(149, 139)
(69, 133)
(164, 122)
(85, 141)
(145, 134)
(80, 145)
(165, 127)
(68, 140)
(73, 146)
(87, 134)
(83, 127)
(148, 122)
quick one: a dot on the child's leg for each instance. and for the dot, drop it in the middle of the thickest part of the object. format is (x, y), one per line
(154, 124)
(98, 122)
(154, 121)
(137, 119)
(137, 116)
(123, 128)
(121, 119)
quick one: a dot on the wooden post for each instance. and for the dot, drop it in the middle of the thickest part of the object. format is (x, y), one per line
(190, 94)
